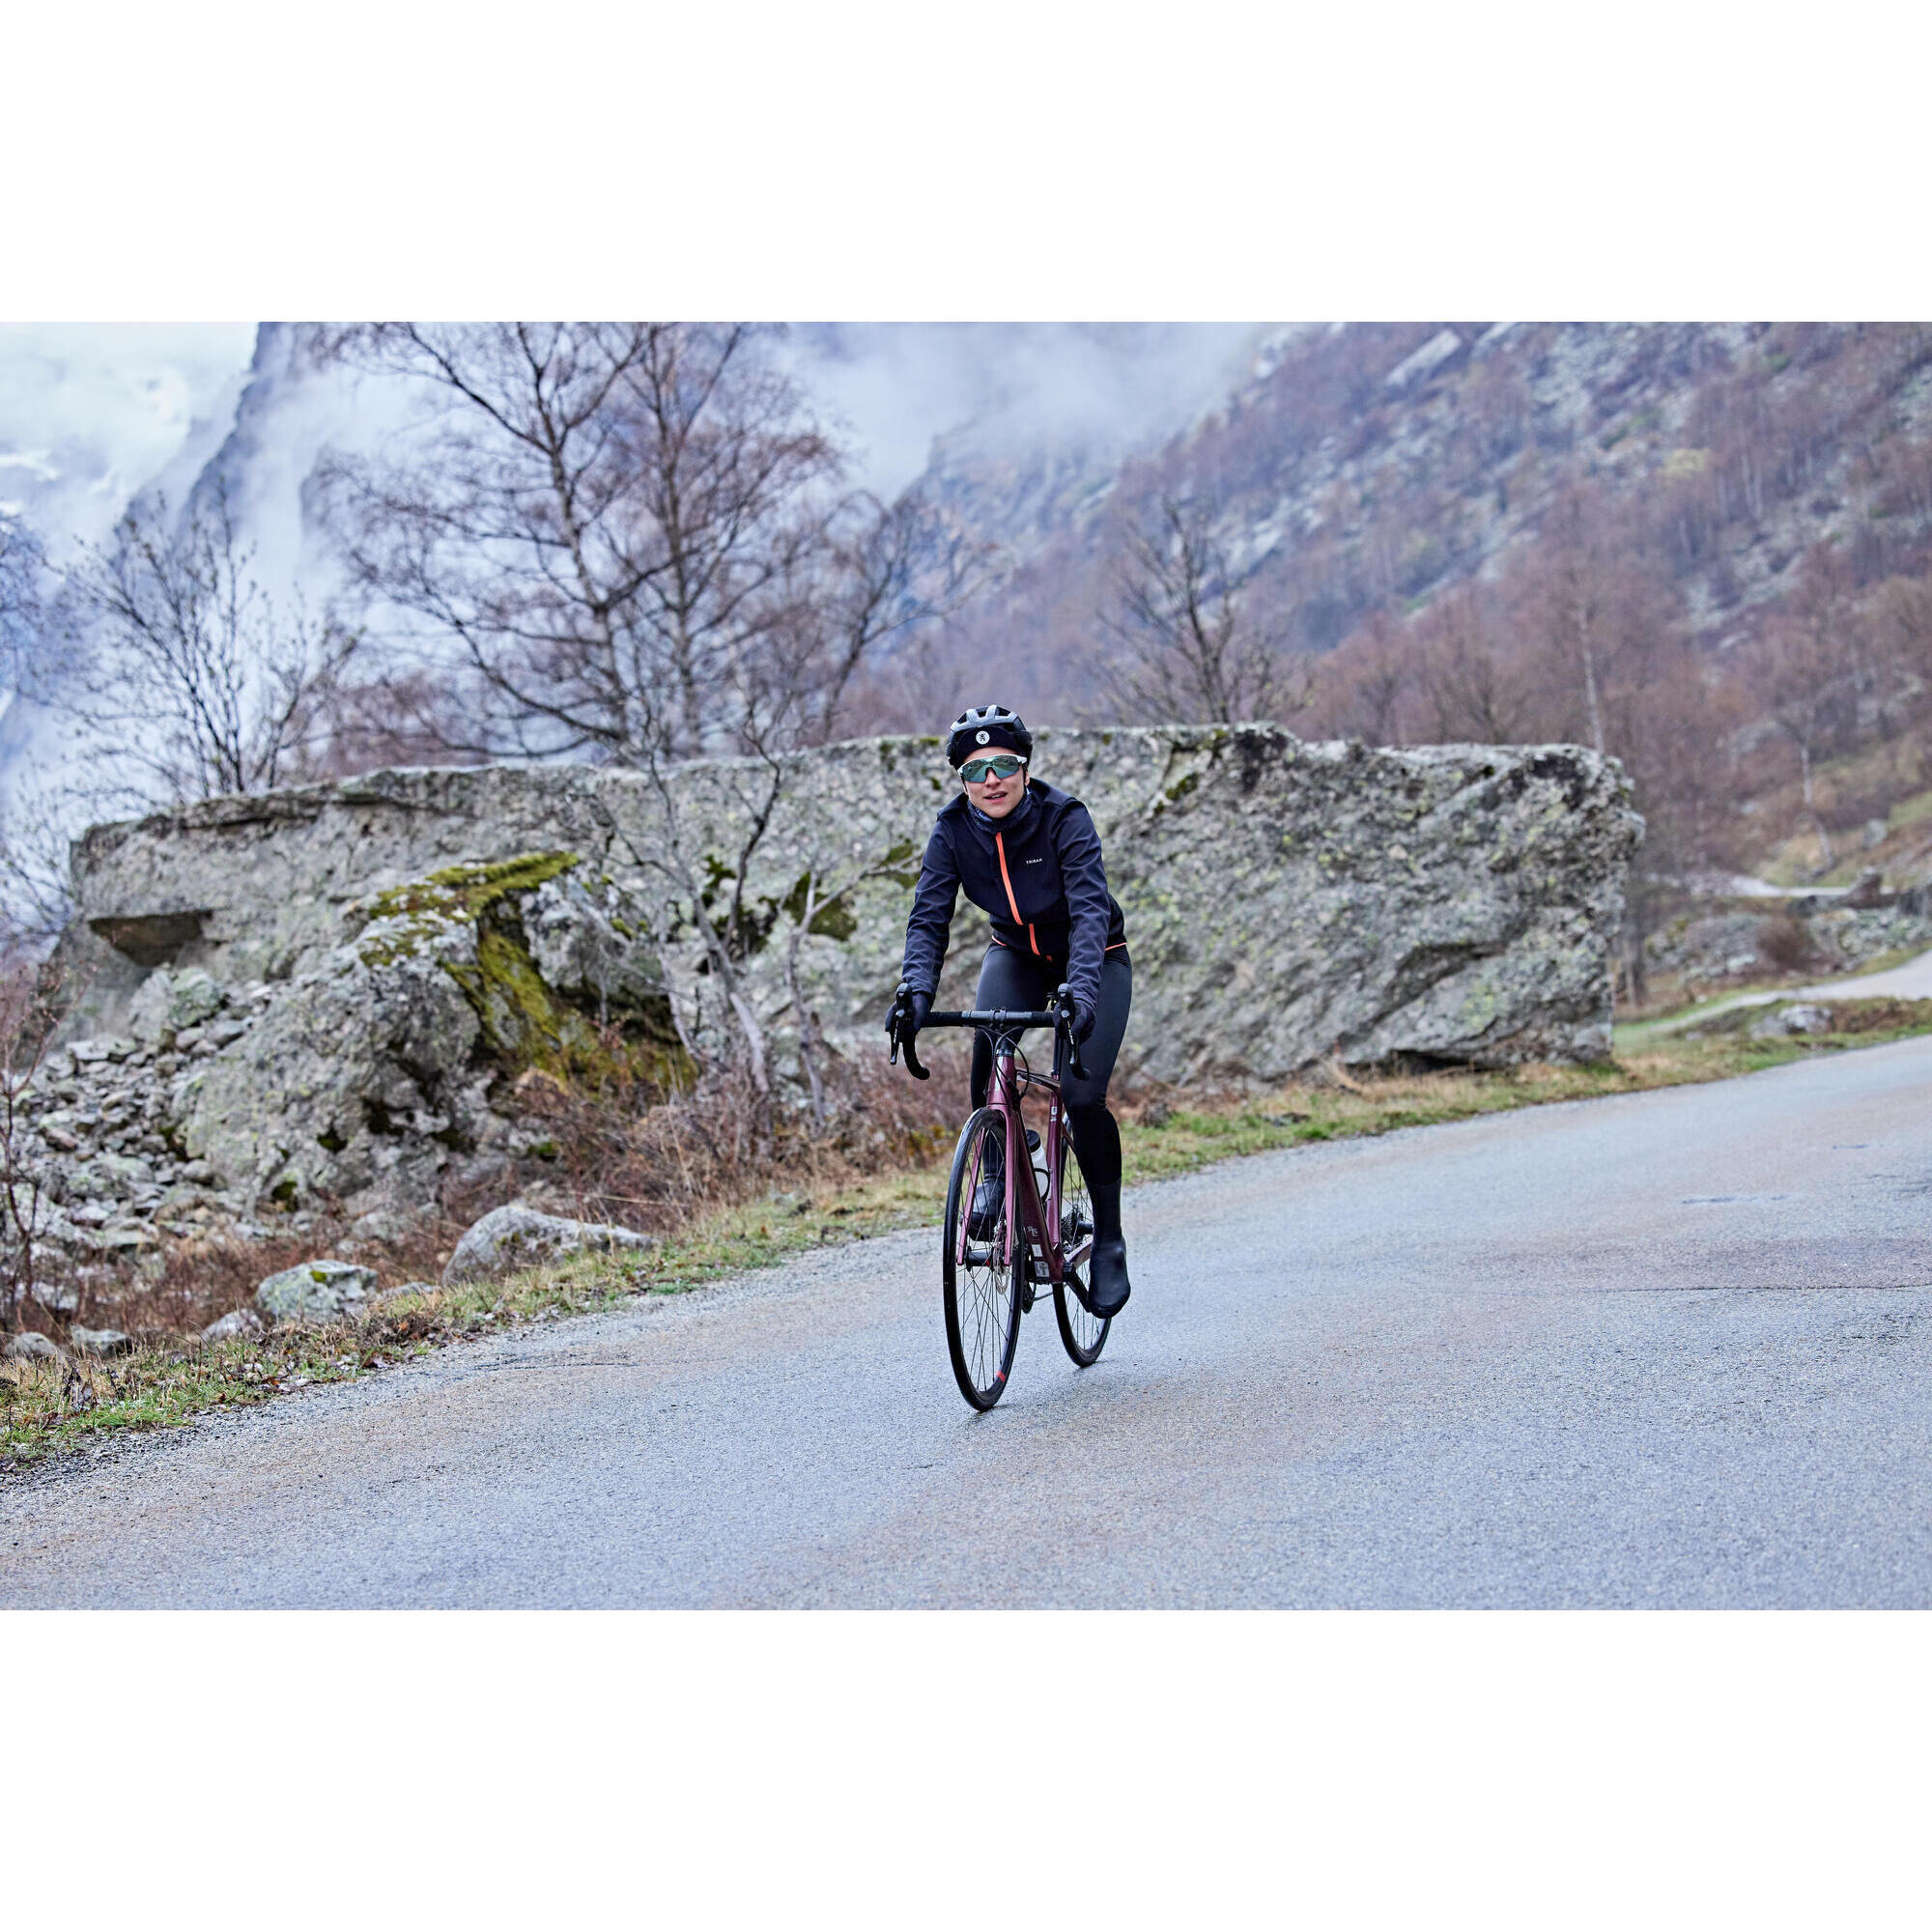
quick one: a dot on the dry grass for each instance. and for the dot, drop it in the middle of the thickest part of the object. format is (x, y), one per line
(659, 1167)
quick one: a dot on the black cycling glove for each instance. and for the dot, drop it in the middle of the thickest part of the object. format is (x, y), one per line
(1085, 1017)
(911, 1009)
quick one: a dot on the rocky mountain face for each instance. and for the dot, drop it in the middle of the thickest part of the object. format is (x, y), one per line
(335, 993)
(1366, 468)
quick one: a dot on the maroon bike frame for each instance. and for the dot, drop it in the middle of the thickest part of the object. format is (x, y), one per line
(1026, 1216)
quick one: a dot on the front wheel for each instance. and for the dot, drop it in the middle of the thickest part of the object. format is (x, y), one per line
(981, 1289)
(1084, 1335)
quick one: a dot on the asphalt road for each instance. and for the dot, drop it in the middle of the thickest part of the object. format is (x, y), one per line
(1671, 1349)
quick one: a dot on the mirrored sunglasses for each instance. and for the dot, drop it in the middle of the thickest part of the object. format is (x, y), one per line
(977, 771)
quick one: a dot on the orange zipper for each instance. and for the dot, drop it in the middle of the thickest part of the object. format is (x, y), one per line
(1012, 904)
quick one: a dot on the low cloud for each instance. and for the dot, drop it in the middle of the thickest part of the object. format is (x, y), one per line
(91, 412)
(897, 387)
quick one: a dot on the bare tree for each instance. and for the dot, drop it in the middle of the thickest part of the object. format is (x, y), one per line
(38, 819)
(1364, 682)
(897, 569)
(1576, 592)
(1184, 645)
(813, 906)
(623, 529)
(185, 671)
(1802, 680)
(39, 810)
(1474, 685)
(28, 1009)
(22, 566)
(1901, 624)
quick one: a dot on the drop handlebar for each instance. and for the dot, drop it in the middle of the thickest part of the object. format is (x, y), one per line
(1060, 1018)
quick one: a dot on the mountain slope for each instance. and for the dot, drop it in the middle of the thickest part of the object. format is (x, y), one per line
(1371, 467)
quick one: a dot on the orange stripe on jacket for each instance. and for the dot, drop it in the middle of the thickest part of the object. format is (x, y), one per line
(1012, 904)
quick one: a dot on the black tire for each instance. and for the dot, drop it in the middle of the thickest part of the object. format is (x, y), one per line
(1083, 1335)
(983, 1298)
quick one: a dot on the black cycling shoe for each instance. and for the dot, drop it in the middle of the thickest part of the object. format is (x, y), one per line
(989, 1202)
(1108, 1287)
(1107, 1284)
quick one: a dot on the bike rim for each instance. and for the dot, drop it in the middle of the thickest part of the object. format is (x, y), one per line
(1087, 1330)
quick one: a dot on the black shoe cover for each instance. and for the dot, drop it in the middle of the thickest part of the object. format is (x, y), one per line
(1108, 1287)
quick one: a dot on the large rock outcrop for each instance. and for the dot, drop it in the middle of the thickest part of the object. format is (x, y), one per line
(331, 991)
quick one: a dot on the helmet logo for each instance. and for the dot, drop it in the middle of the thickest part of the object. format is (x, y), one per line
(983, 736)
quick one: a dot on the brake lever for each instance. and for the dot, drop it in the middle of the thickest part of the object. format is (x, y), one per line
(1064, 999)
(902, 1038)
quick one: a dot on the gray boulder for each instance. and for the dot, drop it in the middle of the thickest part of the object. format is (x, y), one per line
(393, 953)
(33, 1347)
(508, 1240)
(1795, 1019)
(98, 1341)
(168, 1003)
(108, 1046)
(382, 1225)
(122, 1240)
(324, 1291)
(239, 1324)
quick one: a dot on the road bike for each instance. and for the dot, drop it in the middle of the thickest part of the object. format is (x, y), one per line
(1034, 1230)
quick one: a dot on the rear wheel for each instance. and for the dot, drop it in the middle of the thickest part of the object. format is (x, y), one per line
(981, 1289)
(1084, 1335)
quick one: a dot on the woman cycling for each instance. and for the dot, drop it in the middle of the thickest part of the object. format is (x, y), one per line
(1027, 853)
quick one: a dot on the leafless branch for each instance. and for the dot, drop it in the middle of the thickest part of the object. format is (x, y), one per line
(1183, 645)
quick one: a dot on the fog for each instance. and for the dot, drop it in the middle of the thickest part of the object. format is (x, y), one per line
(90, 412)
(93, 412)
(896, 387)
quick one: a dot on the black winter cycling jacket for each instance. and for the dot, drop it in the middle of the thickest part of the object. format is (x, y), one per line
(1037, 871)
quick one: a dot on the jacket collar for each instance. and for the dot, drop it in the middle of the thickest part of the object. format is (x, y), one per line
(1019, 816)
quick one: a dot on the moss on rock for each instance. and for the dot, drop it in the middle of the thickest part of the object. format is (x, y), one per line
(522, 1022)
(415, 916)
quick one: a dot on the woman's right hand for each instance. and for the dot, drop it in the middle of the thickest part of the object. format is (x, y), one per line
(909, 1011)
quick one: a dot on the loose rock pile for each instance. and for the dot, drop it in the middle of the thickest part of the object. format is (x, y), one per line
(103, 1123)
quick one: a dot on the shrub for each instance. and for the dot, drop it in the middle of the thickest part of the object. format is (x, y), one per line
(1784, 944)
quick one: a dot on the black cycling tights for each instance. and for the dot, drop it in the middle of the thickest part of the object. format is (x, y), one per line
(1013, 981)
